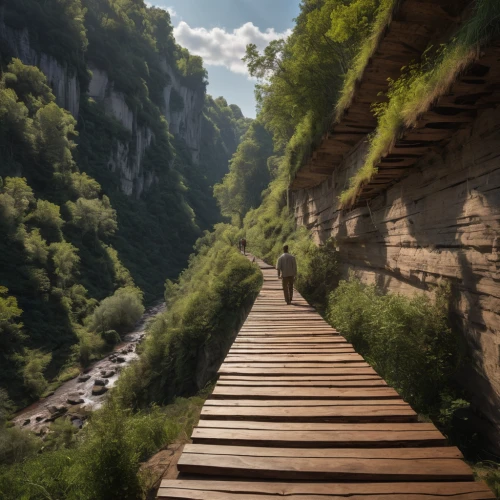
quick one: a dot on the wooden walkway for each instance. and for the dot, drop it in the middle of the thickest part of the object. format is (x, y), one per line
(297, 413)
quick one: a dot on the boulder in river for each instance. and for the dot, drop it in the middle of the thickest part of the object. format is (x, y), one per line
(120, 359)
(83, 378)
(99, 381)
(97, 390)
(124, 351)
(39, 418)
(27, 421)
(57, 409)
(56, 412)
(74, 399)
(107, 373)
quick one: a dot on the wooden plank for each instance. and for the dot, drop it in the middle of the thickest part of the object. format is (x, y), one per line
(287, 349)
(282, 403)
(300, 378)
(303, 413)
(388, 464)
(232, 369)
(290, 346)
(293, 358)
(293, 366)
(303, 393)
(243, 340)
(255, 490)
(297, 383)
(308, 426)
(407, 454)
(317, 438)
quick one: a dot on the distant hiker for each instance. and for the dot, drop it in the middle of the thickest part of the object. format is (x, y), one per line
(287, 270)
(244, 245)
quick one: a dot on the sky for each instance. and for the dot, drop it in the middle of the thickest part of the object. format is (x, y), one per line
(219, 30)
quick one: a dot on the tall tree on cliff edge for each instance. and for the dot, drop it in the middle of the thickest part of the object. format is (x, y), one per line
(299, 83)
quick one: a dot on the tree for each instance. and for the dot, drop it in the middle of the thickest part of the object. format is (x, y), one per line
(36, 247)
(303, 75)
(35, 364)
(29, 84)
(21, 193)
(65, 261)
(10, 328)
(94, 216)
(57, 126)
(119, 312)
(248, 176)
(84, 186)
(47, 216)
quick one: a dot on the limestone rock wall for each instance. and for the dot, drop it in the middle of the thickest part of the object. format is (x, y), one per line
(61, 78)
(186, 123)
(442, 221)
(124, 159)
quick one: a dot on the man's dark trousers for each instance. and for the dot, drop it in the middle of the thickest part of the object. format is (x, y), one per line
(288, 288)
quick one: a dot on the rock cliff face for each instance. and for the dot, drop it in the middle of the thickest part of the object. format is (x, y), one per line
(125, 159)
(61, 78)
(440, 222)
(187, 122)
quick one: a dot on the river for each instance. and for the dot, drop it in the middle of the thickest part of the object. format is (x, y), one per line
(75, 397)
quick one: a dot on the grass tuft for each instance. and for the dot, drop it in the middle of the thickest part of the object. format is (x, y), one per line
(355, 73)
(420, 86)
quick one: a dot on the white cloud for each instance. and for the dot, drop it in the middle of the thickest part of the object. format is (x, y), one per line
(170, 10)
(219, 47)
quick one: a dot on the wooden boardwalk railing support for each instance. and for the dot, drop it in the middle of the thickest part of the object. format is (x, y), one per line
(295, 403)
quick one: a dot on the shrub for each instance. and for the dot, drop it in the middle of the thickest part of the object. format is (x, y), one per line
(104, 462)
(407, 340)
(16, 445)
(204, 310)
(111, 337)
(89, 346)
(489, 472)
(119, 312)
(35, 364)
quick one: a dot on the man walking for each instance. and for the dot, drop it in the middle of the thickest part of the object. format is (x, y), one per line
(287, 270)
(244, 245)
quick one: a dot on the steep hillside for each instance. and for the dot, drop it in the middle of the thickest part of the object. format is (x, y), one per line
(110, 146)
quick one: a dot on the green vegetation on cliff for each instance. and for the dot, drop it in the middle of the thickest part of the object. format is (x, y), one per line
(223, 127)
(71, 237)
(421, 84)
(187, 343)
(56, 225)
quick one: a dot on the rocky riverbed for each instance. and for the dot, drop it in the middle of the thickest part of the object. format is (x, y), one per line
(76, 398)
